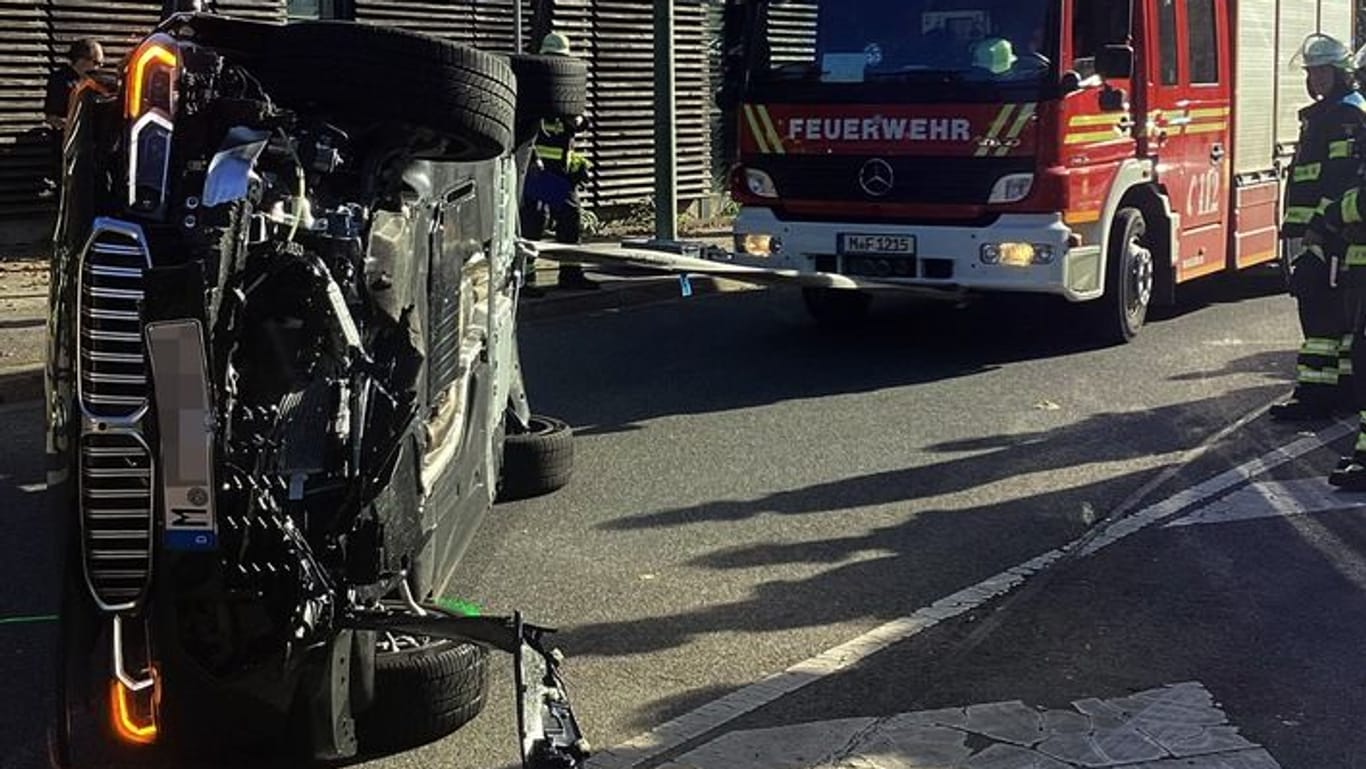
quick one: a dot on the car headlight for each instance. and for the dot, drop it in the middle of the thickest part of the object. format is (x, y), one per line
(149, 105)
(1016, 254)
(760, 183)
(1011, 188)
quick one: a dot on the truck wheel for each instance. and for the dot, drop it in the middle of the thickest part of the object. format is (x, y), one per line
(359, 71)
(836, 307)
(1129, 272)
(425, 689)
(538, 461)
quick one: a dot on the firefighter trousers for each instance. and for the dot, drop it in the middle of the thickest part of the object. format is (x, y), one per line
(1325, 363)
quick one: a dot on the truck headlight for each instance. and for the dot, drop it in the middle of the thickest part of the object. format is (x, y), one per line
(1016, 254)
(758, 244)
(760, 183)
(1011, 188)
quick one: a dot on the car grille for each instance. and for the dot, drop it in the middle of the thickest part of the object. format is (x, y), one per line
(116, 510)
(116, 465)
(113, 358)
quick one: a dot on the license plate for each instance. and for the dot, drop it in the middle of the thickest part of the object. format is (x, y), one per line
(851, 244)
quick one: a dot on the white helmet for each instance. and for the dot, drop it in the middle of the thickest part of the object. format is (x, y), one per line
(1320, 50)
(555, 44)
(1359, 60)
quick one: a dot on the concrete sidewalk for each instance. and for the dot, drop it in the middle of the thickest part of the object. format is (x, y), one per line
(23, 310)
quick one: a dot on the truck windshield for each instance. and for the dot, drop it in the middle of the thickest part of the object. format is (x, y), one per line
(870, 41)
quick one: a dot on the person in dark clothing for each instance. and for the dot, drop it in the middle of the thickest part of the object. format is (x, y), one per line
(1326, 165)
(84, 58)
(551, 196)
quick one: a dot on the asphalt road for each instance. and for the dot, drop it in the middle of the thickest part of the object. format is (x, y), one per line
(752, 491)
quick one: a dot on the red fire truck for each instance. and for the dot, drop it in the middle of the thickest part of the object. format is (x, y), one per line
(1105, 151)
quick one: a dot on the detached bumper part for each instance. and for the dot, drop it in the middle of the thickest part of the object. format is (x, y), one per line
(549, 731)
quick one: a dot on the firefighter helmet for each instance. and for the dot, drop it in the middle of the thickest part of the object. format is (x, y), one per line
(555, 44)
(1320, 50)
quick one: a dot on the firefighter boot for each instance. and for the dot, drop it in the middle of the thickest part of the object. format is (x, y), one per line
(1301, 408)
(1352, 477)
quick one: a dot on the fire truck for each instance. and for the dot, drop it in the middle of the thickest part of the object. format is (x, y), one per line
(1103, 151)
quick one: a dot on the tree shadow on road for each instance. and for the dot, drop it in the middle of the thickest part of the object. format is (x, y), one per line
(758, 348)
(1106, 437)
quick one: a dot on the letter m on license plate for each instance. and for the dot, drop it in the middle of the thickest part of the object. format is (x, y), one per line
(857, 244)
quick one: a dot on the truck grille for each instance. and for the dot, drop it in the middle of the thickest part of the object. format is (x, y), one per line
(113, 365)
(116, 516)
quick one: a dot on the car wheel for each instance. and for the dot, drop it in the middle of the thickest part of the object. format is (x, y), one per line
(836, 307)
(549, 86)
(424, 689)
(1129, 275)
(360, 71)
(537, 461)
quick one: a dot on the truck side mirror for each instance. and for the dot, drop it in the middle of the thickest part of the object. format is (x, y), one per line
(1115, 62)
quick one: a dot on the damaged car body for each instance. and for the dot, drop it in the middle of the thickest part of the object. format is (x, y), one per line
(282, 373)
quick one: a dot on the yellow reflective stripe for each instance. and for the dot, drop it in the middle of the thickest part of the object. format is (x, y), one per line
(1346, 344)
(1197, 114)
(755, 130)
(1021, 120)
(1091, 136)
(1105, 118)
(1319, 346)
(996, 125)
(1350, 213)
(1340, 149)
(774, 142)
(1300, 214)
(1324, 203)
(1356, 256)
(549, 153)
(1361, 439)
(1345, 368)
(1206, 128)
(1308, 172)
(1308, 375)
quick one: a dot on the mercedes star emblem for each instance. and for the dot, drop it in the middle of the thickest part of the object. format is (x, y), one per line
(876, 177)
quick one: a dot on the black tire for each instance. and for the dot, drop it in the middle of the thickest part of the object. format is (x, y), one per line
(359, 71)
(537, 462)
(423, 694)
(1129, 276)
(837, 307)
(549, 86)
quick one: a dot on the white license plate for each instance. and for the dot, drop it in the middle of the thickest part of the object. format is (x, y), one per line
(851, 244)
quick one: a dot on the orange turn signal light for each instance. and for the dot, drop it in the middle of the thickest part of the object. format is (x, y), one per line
(137, 728)
(149, 55)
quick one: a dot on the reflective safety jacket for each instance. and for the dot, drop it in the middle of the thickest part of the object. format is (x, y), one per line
(1326, 163)
(555, 148)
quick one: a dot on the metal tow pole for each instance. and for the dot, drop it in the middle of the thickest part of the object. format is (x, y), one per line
(666, 144)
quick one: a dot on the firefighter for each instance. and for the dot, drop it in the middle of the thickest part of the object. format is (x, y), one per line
(1342, 225)
(552, 187)
(1324, 167)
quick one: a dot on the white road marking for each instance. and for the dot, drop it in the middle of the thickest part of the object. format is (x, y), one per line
(696, 723)
(1273, 499)
(1174, 726)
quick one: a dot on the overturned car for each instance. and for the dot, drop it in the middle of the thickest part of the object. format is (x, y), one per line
(283, 389)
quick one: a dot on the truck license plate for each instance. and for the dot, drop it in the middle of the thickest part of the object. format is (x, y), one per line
(853, 245)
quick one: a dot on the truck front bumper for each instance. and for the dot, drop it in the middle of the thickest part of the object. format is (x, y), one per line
(945, 256)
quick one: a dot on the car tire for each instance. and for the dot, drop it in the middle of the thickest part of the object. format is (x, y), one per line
(538, 461)
(422, 694)
(549, 86)
(358, 71)
(1129, 280)
(836, 307)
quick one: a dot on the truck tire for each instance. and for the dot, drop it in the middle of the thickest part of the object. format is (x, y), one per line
(423, 691)
(836, 307)
(1129, 272)
(359, 71)
(538, 461)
